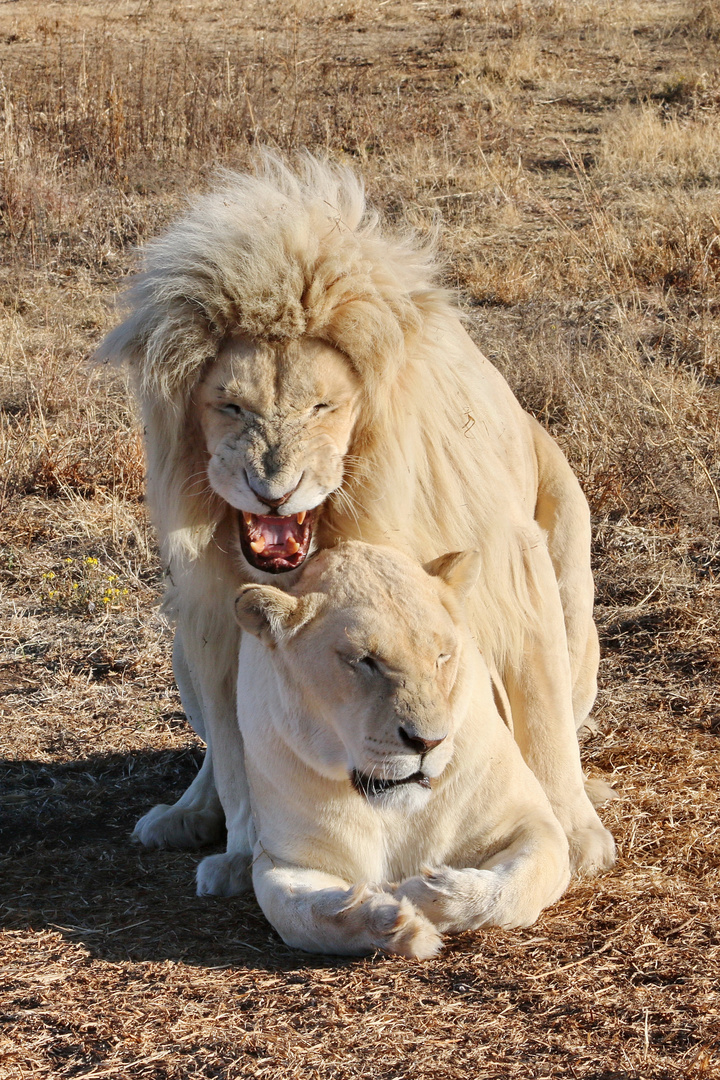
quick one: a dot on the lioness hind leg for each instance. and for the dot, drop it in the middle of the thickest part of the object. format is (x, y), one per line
(194, 821)
(320, 913)
(561, 510)
(599, 791)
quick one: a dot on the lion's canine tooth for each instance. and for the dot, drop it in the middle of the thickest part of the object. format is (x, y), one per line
(258, 545)
(292, 545)
(247, 518)
(301, 516)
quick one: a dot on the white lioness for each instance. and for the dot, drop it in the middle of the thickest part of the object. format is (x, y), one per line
(303, 380)
(375, 754)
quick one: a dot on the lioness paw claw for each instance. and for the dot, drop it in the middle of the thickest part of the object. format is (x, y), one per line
(396, 926)
(412, 934)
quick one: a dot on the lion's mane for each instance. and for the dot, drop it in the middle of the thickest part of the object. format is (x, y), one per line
(284, 254)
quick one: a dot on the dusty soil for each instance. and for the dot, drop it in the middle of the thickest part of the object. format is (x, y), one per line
(573, 152)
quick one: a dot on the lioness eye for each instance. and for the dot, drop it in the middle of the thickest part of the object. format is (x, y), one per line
(365, 663)
(231, 409)
(321, 405)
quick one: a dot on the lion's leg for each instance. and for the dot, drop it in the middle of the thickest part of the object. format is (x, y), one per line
(228, 874)
(212, 658)
(585, 676)
(540, 693)
(194, 821)
(188, 693)
(321, 913)
(511, 889)
(205, 658)
(562, 512)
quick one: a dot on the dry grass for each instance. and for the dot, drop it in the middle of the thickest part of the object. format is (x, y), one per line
(573, 151)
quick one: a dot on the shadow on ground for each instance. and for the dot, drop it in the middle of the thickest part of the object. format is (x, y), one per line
(69, 864)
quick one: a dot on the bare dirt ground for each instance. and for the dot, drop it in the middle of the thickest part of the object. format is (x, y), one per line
(573, 153)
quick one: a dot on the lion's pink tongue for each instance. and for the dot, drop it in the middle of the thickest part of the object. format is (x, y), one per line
(274, 535)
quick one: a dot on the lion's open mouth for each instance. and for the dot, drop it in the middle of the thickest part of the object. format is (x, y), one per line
(275, 544)
(375, 785)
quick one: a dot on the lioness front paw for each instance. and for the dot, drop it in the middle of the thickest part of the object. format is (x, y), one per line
(224, 875)
(453, 900)
(398, 927)
(179, 827)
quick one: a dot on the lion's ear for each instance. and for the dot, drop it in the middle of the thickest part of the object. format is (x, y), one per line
(458, 569)
(271, 614)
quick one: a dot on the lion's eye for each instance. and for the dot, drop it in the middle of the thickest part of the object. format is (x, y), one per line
(368, 664)
(443, 658)
(231, 409)
(321, 406)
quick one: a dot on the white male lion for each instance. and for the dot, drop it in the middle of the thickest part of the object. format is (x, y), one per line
(302, 380)
(376, 753)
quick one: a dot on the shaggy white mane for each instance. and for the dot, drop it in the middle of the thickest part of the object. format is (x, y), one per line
(277, 256)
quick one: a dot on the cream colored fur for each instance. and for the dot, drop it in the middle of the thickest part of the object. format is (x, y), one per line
(369, 654)
(286, 275)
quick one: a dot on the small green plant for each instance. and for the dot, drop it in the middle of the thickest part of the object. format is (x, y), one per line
(84, 587)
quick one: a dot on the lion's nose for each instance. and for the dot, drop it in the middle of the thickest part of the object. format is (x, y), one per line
(420, 746)
(261, 491)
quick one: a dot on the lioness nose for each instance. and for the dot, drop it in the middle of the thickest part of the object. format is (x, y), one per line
(420, 746)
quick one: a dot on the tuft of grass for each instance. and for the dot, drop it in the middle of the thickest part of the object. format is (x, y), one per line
(640, 147)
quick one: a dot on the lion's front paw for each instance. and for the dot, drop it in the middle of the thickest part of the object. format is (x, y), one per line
(592, 848)
(599, 791)
(224, 875)
(179, 827)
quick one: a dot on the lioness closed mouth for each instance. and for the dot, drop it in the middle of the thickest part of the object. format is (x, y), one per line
(375, 785)
(273, 543)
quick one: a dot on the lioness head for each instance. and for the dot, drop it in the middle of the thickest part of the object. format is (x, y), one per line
(277, 421)
(372, 642)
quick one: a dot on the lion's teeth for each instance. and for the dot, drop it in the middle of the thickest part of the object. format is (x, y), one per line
(292, 545)
(247, 518)
(301, 516)
(258, 545)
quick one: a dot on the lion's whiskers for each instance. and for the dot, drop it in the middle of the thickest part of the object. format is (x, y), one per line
(348, 504)
(200, 481)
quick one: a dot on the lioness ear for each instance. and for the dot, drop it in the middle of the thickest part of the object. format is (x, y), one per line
(265, 611)
(271, 614)
(458, 569)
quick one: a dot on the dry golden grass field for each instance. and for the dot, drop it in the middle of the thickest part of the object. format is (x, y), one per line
(571, 149)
